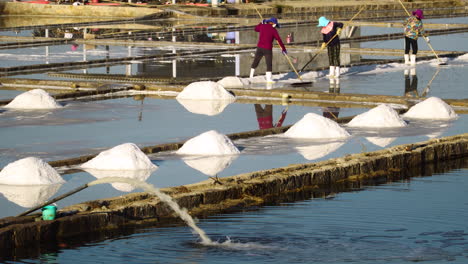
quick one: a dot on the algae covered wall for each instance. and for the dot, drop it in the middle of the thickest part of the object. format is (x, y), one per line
(235, 192)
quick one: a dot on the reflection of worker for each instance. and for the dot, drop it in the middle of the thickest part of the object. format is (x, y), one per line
(265, 116)
(332, 112)
(411, 83)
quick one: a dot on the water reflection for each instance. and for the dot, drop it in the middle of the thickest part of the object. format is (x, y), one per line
(210, 165)
(204, 107)
(411, 83)
(265, 116)
(141, 175)
(29, 196)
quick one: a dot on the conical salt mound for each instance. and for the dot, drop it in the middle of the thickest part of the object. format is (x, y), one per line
(206, 90)
(431, 108)
(29, 171)
(34, 99)
(316, 126)
(127, 156)
(209, 143)
(380, 116)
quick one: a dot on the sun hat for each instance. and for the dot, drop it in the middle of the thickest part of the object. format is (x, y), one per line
(418, 13)
(323, 22)
(274, 21)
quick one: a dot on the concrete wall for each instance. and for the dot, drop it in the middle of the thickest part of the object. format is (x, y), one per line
(26, 9)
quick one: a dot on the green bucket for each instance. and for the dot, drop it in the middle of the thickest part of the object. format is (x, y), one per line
(48, 212)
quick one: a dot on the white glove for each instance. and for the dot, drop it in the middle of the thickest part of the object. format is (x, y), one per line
(428, 40)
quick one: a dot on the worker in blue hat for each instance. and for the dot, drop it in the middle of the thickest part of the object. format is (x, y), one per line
(331, 31)
(267, 34)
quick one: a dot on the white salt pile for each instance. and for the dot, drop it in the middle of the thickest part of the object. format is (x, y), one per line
(34, 99)
(233, 82)
(316, 126)
(29, 196)
(206, 90)
(317, 151)
(140, 175)
(380, 116)
(126, 156)
(209, 143)
(431, 108)
(204, 107)
(29, 171)
(211, 165)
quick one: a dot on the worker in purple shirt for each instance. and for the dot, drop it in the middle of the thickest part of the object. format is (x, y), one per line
(267, 34)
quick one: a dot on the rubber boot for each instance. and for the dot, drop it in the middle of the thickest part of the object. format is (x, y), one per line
(331, 73)
(413, 71)
(406, 72)
(252, 72)
(407, 61)
(268, 77)
(413, 59)
(337, 72)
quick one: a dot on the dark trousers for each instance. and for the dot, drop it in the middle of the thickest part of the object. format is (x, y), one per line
(334, 55)
(259, 53)
(411, 43)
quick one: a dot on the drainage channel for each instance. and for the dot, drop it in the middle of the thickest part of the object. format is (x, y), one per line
(237, 192)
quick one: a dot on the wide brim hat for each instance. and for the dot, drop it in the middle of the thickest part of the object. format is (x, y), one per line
(323, 22)
(274, 21)
(418, 13)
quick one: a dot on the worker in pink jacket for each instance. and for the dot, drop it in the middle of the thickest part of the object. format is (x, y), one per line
(267, 35)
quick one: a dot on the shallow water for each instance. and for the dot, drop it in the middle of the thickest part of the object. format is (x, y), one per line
(422, 219)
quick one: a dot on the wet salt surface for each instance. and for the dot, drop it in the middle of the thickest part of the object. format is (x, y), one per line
(422, 219)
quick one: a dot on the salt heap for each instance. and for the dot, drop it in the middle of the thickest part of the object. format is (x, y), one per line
(233, 82)
(209, 143)
(204, 107)
(126, 156)
(29, 196)
(316, 126)
(206, 90)
(380, 116)
(431, 108)
(34, 99)
(29, 171)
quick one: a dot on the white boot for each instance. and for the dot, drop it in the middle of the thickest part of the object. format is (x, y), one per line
(413, 71)
(407, 61)
(268, 77)
(406, 72)
(252, 71)
(331, 72)
(337, 71)
(413, 59)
